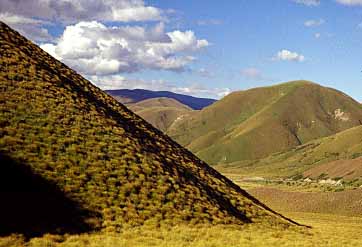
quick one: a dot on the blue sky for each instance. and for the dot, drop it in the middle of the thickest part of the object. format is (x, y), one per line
(203, 48)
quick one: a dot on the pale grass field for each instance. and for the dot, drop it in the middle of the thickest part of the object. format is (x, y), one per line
(327, 230)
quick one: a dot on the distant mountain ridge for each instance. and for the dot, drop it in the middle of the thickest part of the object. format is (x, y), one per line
(128, 96)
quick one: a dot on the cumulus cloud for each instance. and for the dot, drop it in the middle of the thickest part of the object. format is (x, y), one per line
(29, 27)
(95, 49)
(252, 74)
(30, 16)
(201, 91)
(83, 10)
(350, 2)
(119, 82)
(286, 55)
(308, 2)
(314, 23)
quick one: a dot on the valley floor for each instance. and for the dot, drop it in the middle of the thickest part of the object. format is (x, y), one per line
(327, 230)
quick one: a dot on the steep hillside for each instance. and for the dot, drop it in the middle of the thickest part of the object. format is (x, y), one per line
(336, 156)
(252, 124)
(108, 165)
(128, 96)
(160, 112)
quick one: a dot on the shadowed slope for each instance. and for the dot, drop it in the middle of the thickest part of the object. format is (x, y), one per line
(101, 155)
(255, 123)
(32, 206)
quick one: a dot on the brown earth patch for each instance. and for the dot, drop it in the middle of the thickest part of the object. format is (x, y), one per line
(343, 203)
(347, 169)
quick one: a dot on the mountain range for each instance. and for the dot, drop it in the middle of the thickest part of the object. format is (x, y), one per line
(129, 96)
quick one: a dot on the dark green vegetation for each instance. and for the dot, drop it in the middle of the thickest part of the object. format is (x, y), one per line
(160, 112)
(252, 124)
(107, 165)
(127, 96)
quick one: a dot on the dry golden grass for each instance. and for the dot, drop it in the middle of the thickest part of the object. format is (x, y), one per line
(328, 230)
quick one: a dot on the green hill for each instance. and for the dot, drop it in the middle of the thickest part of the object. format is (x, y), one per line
(82, 150)
(160, 112)
(255, 123)
(336, 156)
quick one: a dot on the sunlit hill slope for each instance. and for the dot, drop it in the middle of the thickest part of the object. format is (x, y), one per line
(79, 148)
(255, 123)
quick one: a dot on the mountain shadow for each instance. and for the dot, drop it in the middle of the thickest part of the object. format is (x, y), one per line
(32, 206)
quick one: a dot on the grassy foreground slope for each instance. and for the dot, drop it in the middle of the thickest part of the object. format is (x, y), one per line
(160, 112)
(255, 123)
(337, 156)
(98, 155)
(328, 230)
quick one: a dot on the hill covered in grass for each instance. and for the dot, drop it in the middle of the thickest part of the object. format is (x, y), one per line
(255, 123)
(128, 96)
(108, 166)
(337, 156)
(160, 112)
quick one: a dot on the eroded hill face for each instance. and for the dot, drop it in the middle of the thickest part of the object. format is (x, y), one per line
(255, 123)
(100, 155)
(334, 157)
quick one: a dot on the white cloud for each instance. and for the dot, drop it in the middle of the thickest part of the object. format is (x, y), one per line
(95, 49)
(83, 10)
(30, 16)
(308, 2)
(286, 55)
(350, 2)
(314, 23)
(120, 82)
(201, 91)
(317, 35)
(29, 27)
(252, 74)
